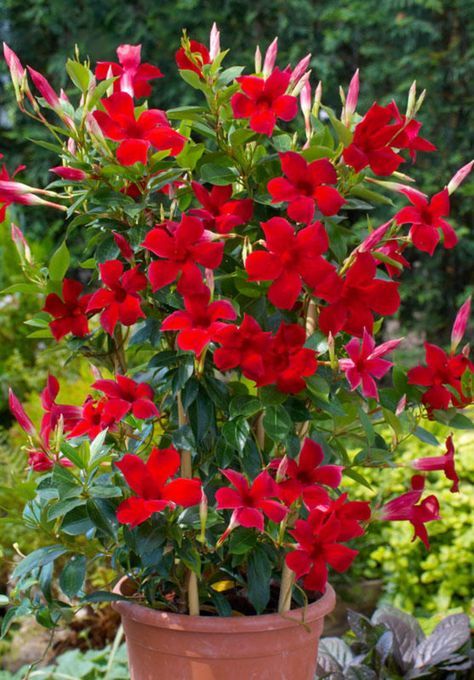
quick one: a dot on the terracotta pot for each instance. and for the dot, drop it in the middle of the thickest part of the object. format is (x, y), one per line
(163, 646)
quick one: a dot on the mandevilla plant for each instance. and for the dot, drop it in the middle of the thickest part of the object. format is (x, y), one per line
(228, 304)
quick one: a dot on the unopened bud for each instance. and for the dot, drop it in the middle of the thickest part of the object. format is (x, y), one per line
(214, 42)
(258, 60)
(270, 58)
(317, 99)
(460, 324)
(411, 103)
(459, 177)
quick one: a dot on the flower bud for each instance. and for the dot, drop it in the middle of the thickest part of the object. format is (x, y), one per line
(73, 174)
(459, 177)
(17, 72)
(317, 99)
(460, 324)
(258, 60)
(21, 244)
(123, 245)
(45, 89)
(214, 42)
(19, 414)
(300, 69)
(270, 58)
(352, 99)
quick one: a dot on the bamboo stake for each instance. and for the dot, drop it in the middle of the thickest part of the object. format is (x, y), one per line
(187, 472)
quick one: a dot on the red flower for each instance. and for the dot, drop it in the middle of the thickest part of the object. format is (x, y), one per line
(350, 515)
(292, 259)
(136, 135)
(317, 546)
(244, 347)
(193, 58)
(408, 508)
(440, 373)
(69, 312)
(53, 412)
(119, 300)
(132, 77)
(304, 186)
(250, 502)
(139, 396)
(98, 415)
(426, 219)
(303, 478)
(264, 100)
(219, 212)
(358, 296)
(199, 323)
(365, 363)
(372, 142)
(408, 136)
(288, 362)
(444, 463)
(182, 247)
(151, 483)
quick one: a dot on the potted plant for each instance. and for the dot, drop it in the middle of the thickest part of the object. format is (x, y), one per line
(215, 277)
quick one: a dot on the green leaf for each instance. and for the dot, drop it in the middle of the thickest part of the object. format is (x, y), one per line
(343, 133)
(218, 174)
(367, 426)
(97, 511)
(245, 406)
(258, 579)
(104, 596)
(425, 436)
(236, 432)
(73, 575)
(59, 263)
(38, 558)
(192, 78)
(79, 74)
(242, 541)
(277, 423)
(349, 472)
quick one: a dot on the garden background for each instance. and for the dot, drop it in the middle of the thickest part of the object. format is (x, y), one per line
(392, 42)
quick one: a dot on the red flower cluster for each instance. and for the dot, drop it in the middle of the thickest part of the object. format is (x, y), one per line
(70, 312)
(219, 212)
(281, 360)
(306, 186)
(131, 76)
(181, 248)
(264, 101)
(119, 300)
(442, 372)
(292, 260)
(408, 507)
(358, 295)
(153, 486)
(382, 130)
(136, 135)
(98, 415)
(319, 541)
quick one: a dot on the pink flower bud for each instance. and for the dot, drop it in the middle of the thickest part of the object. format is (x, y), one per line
(352, 98)
(123, 245)
(39, 461)
(298, 88)
(401, 406)
(460, 324)
(300, 69)
(19, 414)
(71, 146)
(270, 58)
(374, 238)
(21, 244)
(17, 72)
(214, 42)
(258, 60)
(72, 174)
(459, 177)
(44, 88)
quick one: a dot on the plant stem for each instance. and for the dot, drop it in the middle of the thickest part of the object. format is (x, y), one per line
(286, 589)
(187, 472)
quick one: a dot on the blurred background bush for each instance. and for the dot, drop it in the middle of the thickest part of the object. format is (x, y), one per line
(393, 42)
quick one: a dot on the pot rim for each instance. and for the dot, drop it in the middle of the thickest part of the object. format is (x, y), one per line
(224, 624)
